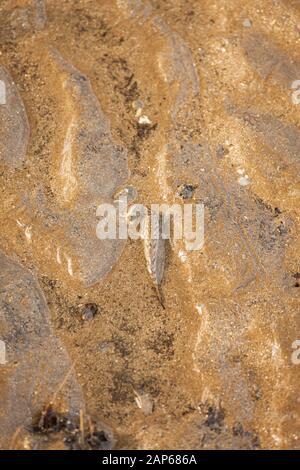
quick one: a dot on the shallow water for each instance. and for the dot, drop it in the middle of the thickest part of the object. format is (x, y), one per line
(38, 370)
(144, 99)
(13, 124)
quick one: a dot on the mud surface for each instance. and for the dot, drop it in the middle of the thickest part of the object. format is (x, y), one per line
(172, 102)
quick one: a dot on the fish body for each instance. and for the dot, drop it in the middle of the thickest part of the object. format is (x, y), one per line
(155, 252)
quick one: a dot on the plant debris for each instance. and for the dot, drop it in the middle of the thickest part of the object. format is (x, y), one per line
(76, 432)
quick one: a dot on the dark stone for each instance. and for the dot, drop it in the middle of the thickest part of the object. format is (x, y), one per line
(89, 311)
(187, 191)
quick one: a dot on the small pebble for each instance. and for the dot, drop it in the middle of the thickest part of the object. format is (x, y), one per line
(244, 181)
(89, 311)
(247, 23)
(106, 346)
(144, 121)
(138, 106)
(222, 151)
(187, 191)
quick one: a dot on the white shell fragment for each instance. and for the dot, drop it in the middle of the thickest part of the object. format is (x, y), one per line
(144, 120)
(247, 23)
(144, 402)
(244, 181)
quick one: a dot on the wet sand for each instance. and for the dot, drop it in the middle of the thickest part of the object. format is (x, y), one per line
(212, 367)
